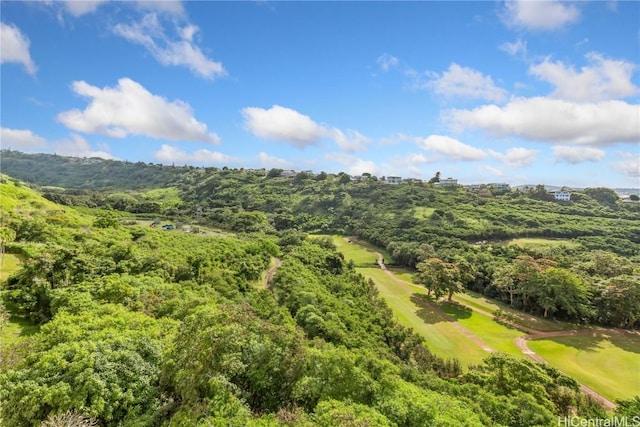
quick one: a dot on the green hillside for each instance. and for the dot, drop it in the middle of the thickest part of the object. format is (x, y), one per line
(128, 324)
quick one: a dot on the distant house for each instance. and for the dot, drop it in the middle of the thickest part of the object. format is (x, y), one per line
(288, 173)
(448, 182)
(500, 186)
(393, 180)
(563, 195)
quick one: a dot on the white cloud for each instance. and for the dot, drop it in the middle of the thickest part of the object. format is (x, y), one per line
(82, 7)
(491, 170)
(452, 149)
(14, 47)
(517, 48)
(77, 146)
(409, 165)
(172, 7)
(553, 120)
(466, 82)
(350, 141)
(287, 125)
(131, 109)
(387, 61)
(150, 34)
(283, 124)
(354, 165)
(20, 138)
(397, 138)
(170, 154)
(604, 79)
(576, 154)
(516, 157)
(539, 15)
(79, 8)
(629, 165)
(269, 162)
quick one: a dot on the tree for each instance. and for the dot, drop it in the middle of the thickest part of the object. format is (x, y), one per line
(436, 178)
(7, 235)
(439, 277)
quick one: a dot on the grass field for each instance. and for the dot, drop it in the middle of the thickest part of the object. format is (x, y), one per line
(421, 212)
(495, 335)
(610, 364)
(441, 337)
(361, 257)
(477, 301)
(537, 243)
(11, 264)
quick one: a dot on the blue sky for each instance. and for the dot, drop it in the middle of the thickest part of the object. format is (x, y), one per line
(524, 92)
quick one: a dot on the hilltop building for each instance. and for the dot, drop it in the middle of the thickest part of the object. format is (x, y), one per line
(563, 195)
(448, 182)
(393, 180)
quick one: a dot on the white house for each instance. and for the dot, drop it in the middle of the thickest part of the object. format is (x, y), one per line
(449, 182)
(393, 180)
(500, 186)
(561, 195)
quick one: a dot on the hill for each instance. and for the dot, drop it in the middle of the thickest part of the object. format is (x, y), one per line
(174, 328)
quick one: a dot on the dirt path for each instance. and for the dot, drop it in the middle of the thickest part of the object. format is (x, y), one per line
(268, 278)
(521, 342)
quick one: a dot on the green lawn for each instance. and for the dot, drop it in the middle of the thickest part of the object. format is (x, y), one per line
(536, 243)
(15, 330)
(361, 257)
(421, 212)
(480, 302)
(441, 337)
(495, 335)
(11, 264)
(609, 364)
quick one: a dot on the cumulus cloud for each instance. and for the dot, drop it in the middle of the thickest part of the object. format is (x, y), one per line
(576, 154)
(150, 34)
(267, 161)
(517, 48)
(539, 15)
(14, 47)
(79, 8)
(554, 120)
(451, 149)
(387, 61)
(629, 165)
(170, 154)
(283, 124)
(20, 139)
(411, 164)
(350, 141)
(287, 125)
(354, 165)
(464, 82)
(492, 170)
(77, 146)
(130, 109)
(397, 138)
(516, 157)
(604, 79)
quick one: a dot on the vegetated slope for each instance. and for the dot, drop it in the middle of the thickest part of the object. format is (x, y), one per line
(591, 279)
(148, 327)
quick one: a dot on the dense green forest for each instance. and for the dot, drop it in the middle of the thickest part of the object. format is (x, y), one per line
(139, 326)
